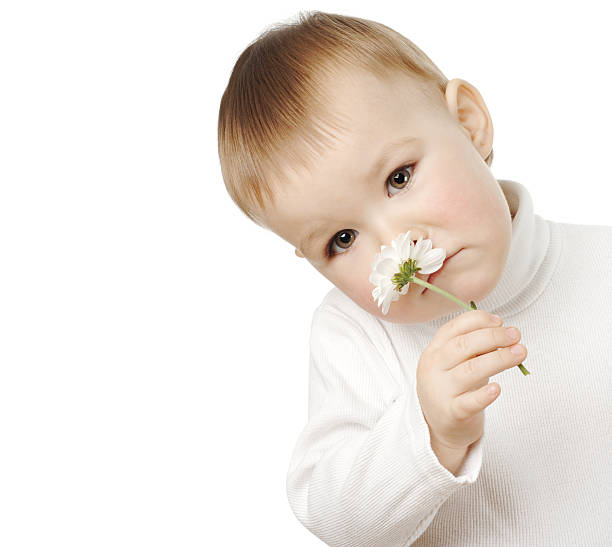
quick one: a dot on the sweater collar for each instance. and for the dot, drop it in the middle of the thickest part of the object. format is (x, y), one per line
(535, 249)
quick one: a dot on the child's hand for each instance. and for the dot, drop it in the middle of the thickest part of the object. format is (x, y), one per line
(453, 374)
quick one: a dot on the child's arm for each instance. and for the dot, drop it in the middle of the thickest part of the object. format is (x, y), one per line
(363, 472)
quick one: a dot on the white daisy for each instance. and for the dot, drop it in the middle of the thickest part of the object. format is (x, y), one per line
(394, 267)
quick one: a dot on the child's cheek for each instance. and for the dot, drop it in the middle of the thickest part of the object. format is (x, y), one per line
(358, 288)
(458, 205)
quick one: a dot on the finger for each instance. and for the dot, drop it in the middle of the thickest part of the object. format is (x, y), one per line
(462, 324)
(473, 372)
(467, 405)
(478, 342)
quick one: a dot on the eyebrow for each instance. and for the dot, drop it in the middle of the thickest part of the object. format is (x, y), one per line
(307, 242)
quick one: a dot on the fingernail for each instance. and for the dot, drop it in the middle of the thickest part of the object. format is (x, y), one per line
(512, 333)
(517, 350)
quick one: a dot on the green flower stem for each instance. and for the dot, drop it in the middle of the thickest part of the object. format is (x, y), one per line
(431, 287)
(470, 306)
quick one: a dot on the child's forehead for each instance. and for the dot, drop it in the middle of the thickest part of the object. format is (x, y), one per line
(350, 107)
(384, 85)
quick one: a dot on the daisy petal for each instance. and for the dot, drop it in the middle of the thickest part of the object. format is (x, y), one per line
(376, 292)
(432, 261)
(389, 252)
(421, 249)
(386, 304)
(399, 240)
(388, 267)
(376, 278)
(406, 250)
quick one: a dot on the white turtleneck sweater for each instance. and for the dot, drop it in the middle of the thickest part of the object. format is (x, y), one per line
(363, 472)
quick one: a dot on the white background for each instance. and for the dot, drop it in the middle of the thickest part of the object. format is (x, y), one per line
(153, 341)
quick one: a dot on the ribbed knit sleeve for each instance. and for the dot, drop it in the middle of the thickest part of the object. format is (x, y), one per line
(363, 472)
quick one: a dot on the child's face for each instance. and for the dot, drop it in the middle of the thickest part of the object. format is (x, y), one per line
(449, 195)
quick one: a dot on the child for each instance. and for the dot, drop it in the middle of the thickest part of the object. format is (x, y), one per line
(338, 134)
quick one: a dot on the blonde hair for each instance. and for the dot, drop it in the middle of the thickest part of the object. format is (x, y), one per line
(274, 104)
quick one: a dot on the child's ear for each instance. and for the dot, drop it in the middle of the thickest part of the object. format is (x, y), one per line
(299, 254)
(468, 108)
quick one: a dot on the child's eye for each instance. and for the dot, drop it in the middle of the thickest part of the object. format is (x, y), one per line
(398, 180)
(347, 239)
